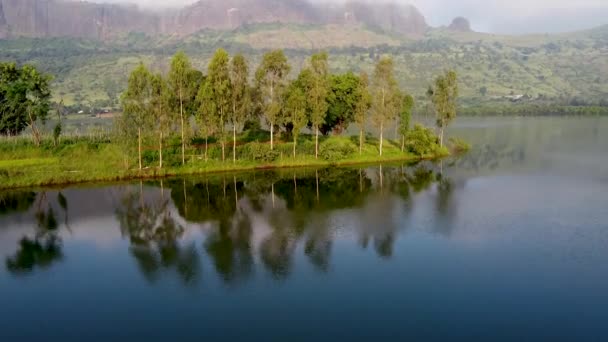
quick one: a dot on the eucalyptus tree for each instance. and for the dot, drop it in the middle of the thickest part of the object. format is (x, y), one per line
(241, 97)
(218, 78)
(205, 117)
(405, 117)
(271, 82)
(362, 107)
(295, 108)
(136, 100)
(318, 91)
(159, 108)
(444, 94)
(181, 86)
(385, 96)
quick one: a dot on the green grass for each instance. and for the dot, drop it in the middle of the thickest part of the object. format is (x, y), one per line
(86, 161)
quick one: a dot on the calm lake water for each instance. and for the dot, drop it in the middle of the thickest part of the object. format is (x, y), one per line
(509, 242)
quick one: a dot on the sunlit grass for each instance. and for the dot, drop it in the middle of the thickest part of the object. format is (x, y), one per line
(81, 160)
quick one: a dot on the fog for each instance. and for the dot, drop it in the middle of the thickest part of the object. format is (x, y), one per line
(496, 16)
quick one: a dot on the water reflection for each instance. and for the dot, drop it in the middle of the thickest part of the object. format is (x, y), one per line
(44, 247)
(245, 221)
(154, 237)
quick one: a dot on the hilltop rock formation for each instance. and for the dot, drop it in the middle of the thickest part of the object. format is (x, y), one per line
(392, 17)
(460, 24)
(59, 18)
(3, 25)
(229, 14)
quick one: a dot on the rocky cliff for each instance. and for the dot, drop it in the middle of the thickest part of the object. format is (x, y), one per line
(460, 24)
(59, 18)
(3, 25)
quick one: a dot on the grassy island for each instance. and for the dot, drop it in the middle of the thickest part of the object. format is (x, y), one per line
(87, 160)
(185, 122)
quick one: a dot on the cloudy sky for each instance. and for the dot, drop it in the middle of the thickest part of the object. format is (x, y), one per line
(497, 16)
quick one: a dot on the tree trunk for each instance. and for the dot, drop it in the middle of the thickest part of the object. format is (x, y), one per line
(381, 136)
(295, 142)
(181, 114)
(272, 136)
(441, 138)
(35, 131)
(223, 149)
(139, 147)
(317, 142)
(402, 143)
(234, 144)
(206, 146)
(160, 150)
(360, 142)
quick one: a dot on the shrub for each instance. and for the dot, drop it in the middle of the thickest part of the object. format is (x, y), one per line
(422, 141)
(336, 149)
(458, 145)
(259, 152)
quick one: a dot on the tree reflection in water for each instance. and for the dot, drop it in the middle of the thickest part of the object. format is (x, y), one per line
(154, 236)
(45, 247)
(261, 218)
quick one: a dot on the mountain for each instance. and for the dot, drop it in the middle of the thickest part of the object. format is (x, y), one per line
(90, 49)
(460, 24)
(57, 18)
(81, 19)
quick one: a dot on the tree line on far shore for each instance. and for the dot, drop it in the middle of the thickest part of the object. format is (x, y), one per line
(223, 100)
(231, 95)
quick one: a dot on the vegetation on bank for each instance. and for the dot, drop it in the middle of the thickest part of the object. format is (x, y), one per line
(78, 160)
(212, 121)
(531, 109)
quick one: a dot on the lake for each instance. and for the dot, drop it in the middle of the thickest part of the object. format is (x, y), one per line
(509, 242)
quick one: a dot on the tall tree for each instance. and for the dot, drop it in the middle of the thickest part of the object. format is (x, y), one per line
(24, 99)
(159, 107)
(218, 77)
(444, 95)
(295, 108)
(270, 80)
(317, 94)
(205, 117)
(181, 86)
(241, 97)
(342, 99)
(405, 117)
(385, 96)
(136, 106)
(362, 106)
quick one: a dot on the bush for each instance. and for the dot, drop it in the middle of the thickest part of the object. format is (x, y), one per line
(336, 149)
(259, 152)
(422, 141)
(458, 145)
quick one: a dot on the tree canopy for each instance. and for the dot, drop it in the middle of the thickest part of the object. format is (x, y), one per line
(24, 98)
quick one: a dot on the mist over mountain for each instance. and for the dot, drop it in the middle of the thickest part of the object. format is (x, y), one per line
(495, 16)
(59, 18)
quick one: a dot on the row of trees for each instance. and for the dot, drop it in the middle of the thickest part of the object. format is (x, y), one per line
(224, 99)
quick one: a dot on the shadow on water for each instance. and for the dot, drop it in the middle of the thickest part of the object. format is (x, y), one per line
(246, 220)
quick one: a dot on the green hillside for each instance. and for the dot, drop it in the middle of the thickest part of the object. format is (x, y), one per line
(564, 69)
